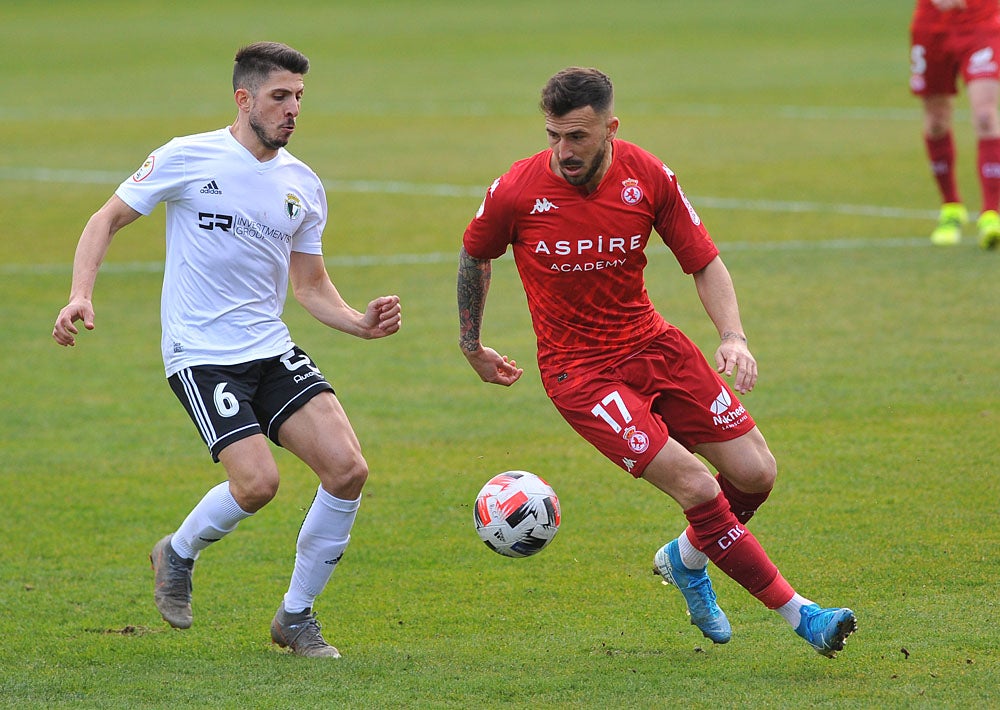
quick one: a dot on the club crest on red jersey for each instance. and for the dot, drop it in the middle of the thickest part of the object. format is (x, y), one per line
(631, 192)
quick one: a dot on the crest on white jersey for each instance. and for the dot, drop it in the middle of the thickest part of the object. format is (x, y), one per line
(293, 206)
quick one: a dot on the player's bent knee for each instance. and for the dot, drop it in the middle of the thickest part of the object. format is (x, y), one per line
(346, 479)
(357, 475)
(253, 491)
(767, 471)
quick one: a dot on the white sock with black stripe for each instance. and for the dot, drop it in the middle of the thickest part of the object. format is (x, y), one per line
(322, 540)
(215, 516)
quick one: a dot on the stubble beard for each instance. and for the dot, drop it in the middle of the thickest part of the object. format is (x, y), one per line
(269, 142)
(589, 175)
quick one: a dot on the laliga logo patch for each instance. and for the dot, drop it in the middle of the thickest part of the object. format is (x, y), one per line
(637, 440)
(143, 172)
(631, 192)
(293, 206)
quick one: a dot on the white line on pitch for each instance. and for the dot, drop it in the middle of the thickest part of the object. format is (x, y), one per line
(155, 267)
(389, 187)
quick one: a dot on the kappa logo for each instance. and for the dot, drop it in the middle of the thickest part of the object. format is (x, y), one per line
(211, 188)
(493, 187)
(629, 464)
(543, 205)
(695, 219)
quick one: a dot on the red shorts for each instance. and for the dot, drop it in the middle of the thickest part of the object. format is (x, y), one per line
(938, 58)
(668, 389)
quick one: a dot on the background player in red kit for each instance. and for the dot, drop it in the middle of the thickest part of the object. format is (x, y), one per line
(949, 38)
(578, 217)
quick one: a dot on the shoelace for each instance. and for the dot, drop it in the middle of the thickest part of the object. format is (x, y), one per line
(705, 600)
(310, 635)
(178, 583)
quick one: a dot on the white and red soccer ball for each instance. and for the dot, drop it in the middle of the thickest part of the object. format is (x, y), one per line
(517, 514)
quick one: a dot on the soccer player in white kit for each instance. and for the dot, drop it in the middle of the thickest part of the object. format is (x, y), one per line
(243, 217)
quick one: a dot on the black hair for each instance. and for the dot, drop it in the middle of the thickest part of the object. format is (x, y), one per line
(255, 62)
(577, 87)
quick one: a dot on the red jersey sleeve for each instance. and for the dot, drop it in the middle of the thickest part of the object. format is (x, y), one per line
(680, 227)
(493, 228)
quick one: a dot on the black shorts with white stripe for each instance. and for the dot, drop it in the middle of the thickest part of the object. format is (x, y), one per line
(231, 402)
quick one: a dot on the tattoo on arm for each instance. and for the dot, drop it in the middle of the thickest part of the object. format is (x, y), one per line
(473, 284)
(733, 335)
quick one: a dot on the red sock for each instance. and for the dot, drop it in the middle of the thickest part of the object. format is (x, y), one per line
(989, 172)
(941, 152)
(743, 504)
(736, 552)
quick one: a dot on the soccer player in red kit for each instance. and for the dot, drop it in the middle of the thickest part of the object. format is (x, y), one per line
(949, 38)
(578, 217)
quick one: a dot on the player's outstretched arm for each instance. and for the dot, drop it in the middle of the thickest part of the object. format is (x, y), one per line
(473, 284)
(313, 288)
(90, 252)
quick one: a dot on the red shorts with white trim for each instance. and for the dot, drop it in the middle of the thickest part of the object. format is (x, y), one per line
(668, 389)
(937, 59)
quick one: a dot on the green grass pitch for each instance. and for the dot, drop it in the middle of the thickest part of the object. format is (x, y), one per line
(791, 128)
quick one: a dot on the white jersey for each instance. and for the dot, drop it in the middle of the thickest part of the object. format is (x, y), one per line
(232, 223)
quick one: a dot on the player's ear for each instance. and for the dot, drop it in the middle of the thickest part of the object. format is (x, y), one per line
(243, 99)
(612, 128)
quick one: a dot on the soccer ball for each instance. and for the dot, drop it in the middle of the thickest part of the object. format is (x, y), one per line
(517, 514)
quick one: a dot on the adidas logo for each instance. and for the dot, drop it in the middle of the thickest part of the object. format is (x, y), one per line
(211, 188)
(543, 205)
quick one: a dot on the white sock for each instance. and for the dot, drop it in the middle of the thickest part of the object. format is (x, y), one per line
(215, 516)
(791, 612)
(691, 556)
(322, 540)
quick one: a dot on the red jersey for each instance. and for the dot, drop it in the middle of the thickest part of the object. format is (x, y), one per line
(975, 14)
(581, 256)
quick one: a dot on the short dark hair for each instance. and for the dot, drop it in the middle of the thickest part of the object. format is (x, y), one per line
(576, 87)
(255, 62)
